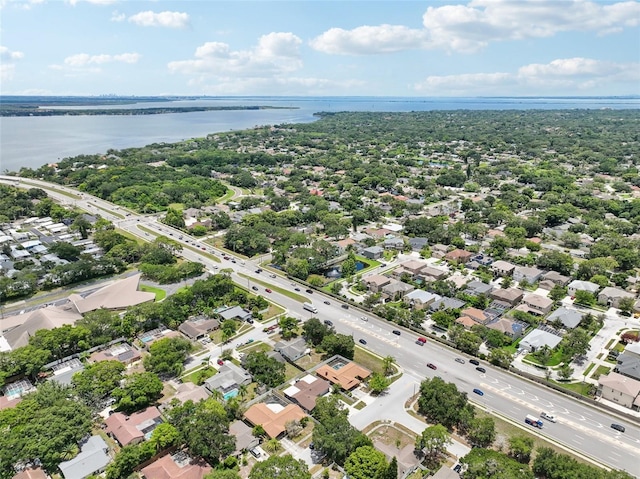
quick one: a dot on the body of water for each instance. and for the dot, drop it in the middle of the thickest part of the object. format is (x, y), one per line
(34, 141)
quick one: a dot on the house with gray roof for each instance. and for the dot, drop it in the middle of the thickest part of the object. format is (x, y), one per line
(396, 289)
(577, 285)
(418, 244)
(528, 274)
(611, 296)
(373, 252)
(293, 349)
(570, 318)
(420, 299)
(446, 303)
(228, 380)
(93, 459)
(556, 278)
(235, 312)
(477, 288)
(628, 365)
(539, 338)
(199, 326)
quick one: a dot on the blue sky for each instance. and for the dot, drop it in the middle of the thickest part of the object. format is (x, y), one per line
(312, 47)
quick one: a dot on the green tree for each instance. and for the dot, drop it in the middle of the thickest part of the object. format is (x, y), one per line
(441, 402)
(265, 370)
(314, 331)
(585, 298)
(433, 442)
(280, 467)
(95, 383)
(163, 436)
(138, 391)
(482, 432)
(222, 474)
(392, 470)
(288, 326)
(387, 365)
(366, 462)
(557, 292)
(341, 344)
(485, 463)
(565, 371)
(520, 448)
(378, 383)
(167, 356)
(204, 428)
(501, 357)
(229, 328)
(626, 305)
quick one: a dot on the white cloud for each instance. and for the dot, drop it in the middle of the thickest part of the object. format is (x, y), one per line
(565, 75)
(6, 54)
(269, 86)
(23, 4)
(83, 59)
(276, 53)
(472, 26)
(368, 40)
(116, 16)
(95, 2)
(162, 19)
(6, 71)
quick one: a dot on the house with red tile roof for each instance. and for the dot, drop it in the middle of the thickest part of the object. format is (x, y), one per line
(134, 428)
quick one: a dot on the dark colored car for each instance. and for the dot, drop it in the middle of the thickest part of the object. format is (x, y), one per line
(362, 341)
(431, 366)
(267, 290)
(310, 291)
(328, 323)
(481, 369)
(327, 302)
(474, 361)
(478, 392)
(255, 288)
(396, 332)
(297, 289)
(345, 306)
(618, 427)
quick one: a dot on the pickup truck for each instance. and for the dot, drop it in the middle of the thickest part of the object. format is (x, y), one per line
(533, 421)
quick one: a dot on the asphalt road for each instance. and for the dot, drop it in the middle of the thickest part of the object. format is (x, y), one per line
(580, 427)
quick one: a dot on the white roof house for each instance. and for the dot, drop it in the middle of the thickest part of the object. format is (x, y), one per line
(539, 338)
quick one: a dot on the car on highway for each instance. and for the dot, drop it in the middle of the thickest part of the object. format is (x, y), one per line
(481, 369)
(460, 360)
(421, 341)
(296, 289)
(362, 341)
(478, 392)
(255, 288)
(267, 290)
(345, 306)
(203, 248)
(364, 318)
(233, 261)
(326, 302)
(474, 362)
(396, 332)
(272, 275)
(618, 427)
(548, 416)
(328, 323)
(259, 270)
(310, 291)
(432, 366)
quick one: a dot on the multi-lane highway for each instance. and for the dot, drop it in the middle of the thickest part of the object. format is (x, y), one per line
(580, 427)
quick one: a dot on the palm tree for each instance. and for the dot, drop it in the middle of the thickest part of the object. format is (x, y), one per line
(387, 363)
(242, 391)
(272, 445)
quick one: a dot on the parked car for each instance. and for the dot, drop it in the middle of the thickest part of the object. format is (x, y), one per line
(618, 427)
(474, 361)
(220, 361)
(478, 392)
(481, 369)
(396, 332)
(460, 360)
(362, 341)
(431, 366)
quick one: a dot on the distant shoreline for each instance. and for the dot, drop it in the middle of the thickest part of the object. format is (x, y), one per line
(12, 110)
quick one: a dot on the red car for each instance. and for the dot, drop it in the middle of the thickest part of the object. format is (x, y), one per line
(268, 290)
(220, 362)
(431, 366)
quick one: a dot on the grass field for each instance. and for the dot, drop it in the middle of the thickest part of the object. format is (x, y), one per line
(159, 292)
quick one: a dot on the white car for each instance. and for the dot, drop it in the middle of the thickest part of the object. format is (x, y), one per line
(548, 416)
(364, 318)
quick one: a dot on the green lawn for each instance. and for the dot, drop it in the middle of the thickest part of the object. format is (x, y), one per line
(65, 193)
(107, 211)
(554, 360)
(368, 360)
(580, 388)
(272, 312)
(371, 262)
(159, 292)
(131, 236)
(286, 292)
(200, 375)
(601, 371)
(589, 368)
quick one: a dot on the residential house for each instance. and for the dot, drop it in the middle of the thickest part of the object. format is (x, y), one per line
(458, 256)
(429, 273)
(307, 390)
(466, 322)
(394, 243)
(420, 299)
(539, 338)
(344, 243)
(508, 327)
(418, 244)
(511, 296)
(176, 466)
(346, 374)
(92, 459)
(629, 361)
(134, 428)
(413, 267)
(373, 252)
(439, 250)
(556, 278)
(118, 352)
(446, 303)
(477, 288)
(577, 285)
(528, 274)
(199, 326)
(186, 391)
(150, 337)
(503, 268)
(243, 434)
(63, 371)
(476, 314)
(570, 318)
(235, 312)
(376, 282)
(620, 389)
(31, 473)
(273, 416)
(611, 296)
(293, 349)
(228, 380)
(395, 289)
(536, 304)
